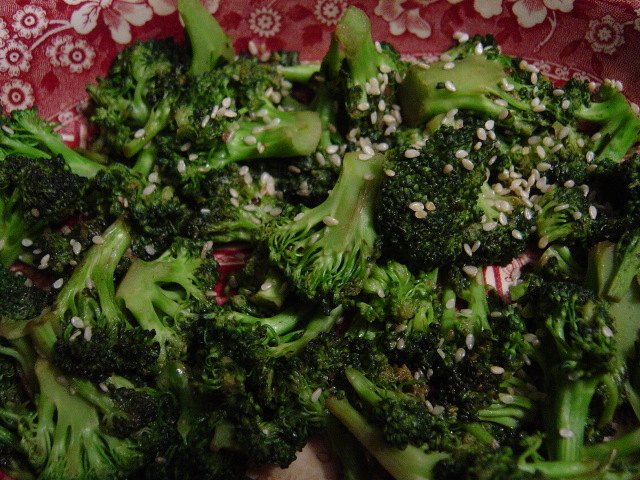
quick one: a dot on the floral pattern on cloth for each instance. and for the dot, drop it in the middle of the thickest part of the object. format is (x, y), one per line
(50, 49)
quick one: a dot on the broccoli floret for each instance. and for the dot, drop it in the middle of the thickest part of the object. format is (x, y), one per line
(408, 463)
(35, 193)
(579, 343)
(326, 252)
(368, 78)
(63, 438)
(20, 299)
(210, 45)
(134, 101)
(437, 206)
(165, 294)
(26, 134)
(232, 204)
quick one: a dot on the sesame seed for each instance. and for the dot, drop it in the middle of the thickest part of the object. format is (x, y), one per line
(470, 270)
(566, 432)
(412, 153)
(88, 333)
(315, 396)
(481, 133)
(77, 322)
(389, 173)
(58, 283)
(461, 153)
(441, 353)
(606, 331)
(506, 398)
(448, 168)
(139, 133)
(489, 124)
(543, 241)
(8, 130)
(478, 49)
(449, 65)
(593, 212)
(470, 341)
(460, 354)
(496, 370)
(250, 140)
(467, 164)
(430, 206)
(590, 156)
(26, 242)
(565, 104)
(420, 214)
(416, 206)
(461, 36)
(363, 106)
(330, 221)
(451, 303)
(488, 226)
(97, 239)
(467, 249)
(450, 86)
(365, 156)
(517, 234)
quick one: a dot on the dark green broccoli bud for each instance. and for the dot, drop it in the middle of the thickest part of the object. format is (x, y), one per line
(35, 193)
(232, 204)
(20, 299)
(209, 43)
(438, 208)
(152, 209)
(326, 252)
(134, 101)
(26, 134)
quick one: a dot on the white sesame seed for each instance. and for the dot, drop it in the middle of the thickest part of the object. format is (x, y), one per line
(363, 106)
(8, 130)
(26, 242)
(566, 432)
(467, 164)
(593, 212)
(430, 206)
(420, 214)
(543, 241)
(517, 234)
(461, 153)
(250, 140)
(58, 283)
(139, 133)
(315, 396)
(451, 303)
(460, 354)
(489, 124)
(330, 221)
(389, 173)
(470, 270)
(88, 333)
(488, 226)
(441, 353)
(496, 370)
(77, 322)
(478, 49)
(97, 239)
(450, 86)
(416, 206)
(506, 398)
(461, 36)
(448, 168)
(412, 153)
(470, 341)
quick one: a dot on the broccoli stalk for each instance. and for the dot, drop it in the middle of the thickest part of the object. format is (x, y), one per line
(410, 463)
(34, 137)
(327, 251)
(209, 43)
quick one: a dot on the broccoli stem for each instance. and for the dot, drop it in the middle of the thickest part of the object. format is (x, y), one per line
(209, 43)
(157, 120)
(567, 416)
(14, 229)
(408, 464)
(627, 258)
(350, 453)
(353, 31)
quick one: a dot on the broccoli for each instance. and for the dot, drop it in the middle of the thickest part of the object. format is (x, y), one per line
(577, 354)
(410, 463)
(326, 252)
(35, 194)
(63, 438)
(164, 295)
(232, 204)
(134, 101)
(231, 114)
(438, 208)
(368, 79)
(25, 133)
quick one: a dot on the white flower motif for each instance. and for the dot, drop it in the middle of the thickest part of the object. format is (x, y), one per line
(30, 22)
(16, 95)
(167, 7)
(265, 22)
(15, 57)
(533, 12)
(118, 16)
(605, 35)
(4, 32)
(78, 56)
(54, 50)
(488, 8)
(400, 19)
(329, 11)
